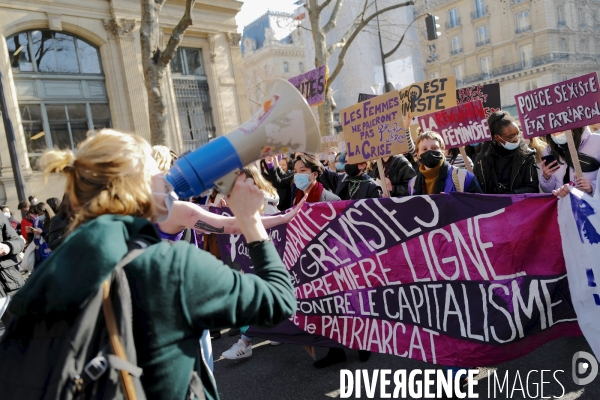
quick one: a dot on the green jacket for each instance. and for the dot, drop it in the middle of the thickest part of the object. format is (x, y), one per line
(177, 292)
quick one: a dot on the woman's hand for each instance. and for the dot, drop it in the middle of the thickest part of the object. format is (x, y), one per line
(584, 185)
(562, 191)
(246, 201)
(37, 231)
(389, 185)
(548, 170)
(291, 213)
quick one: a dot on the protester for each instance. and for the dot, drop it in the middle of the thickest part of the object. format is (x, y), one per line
(243, 347)
(10, 247)
(278, 174)
(398, 172)
(331, 156)
(41, 224)
(24, 208)
(54, 203)
(435, 174)
(33, 200)
(27, 224)
(59, 224)
(177, 291)
(455, 159)
(554, 174)
(307, 173)
(340, 162)
(506, 164)
(354, 184)
(13, 222)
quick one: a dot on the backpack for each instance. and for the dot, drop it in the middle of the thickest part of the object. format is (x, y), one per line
(91, 356)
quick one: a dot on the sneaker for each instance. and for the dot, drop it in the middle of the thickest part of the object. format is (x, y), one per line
(238, 350)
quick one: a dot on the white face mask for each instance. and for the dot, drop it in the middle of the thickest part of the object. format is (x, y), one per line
(331, 158)
(164, 197)
(7, 214)
(560, 139)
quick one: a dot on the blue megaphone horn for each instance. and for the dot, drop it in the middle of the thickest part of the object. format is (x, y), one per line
(284, 124)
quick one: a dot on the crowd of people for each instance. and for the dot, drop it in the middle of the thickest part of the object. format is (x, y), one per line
(182, 290)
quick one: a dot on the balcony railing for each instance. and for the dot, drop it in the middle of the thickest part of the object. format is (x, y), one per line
(483, 42)
(479, 13)
(583, 25)
(432, 58)
(453, 23)
(562, 24)
(456, 51)
(550, 58)
(523, 29)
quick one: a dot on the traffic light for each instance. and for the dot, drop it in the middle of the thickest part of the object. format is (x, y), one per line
(432, 27)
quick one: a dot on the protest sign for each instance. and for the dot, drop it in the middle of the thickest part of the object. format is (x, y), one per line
(579, 220)
(488, 94)
(374, 129)
(365, 96)
(562, 106)
(312, 85)
(336, 141)
(428, 96)
(459, 125)
(435, 278)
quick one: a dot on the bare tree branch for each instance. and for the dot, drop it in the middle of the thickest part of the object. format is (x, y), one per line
(355, 33)
(324, 5)
(177, 34)
(334, 15)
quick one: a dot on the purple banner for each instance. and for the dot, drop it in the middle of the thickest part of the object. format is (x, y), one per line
(312, 85)
(570, 104)
(450, 279)
(460, 125)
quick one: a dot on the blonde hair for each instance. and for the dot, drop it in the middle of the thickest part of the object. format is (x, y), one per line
(539, 146)
(164, 158)
(252, 172)
(107, 174)
(431, 135)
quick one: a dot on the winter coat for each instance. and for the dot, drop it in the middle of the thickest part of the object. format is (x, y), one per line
(445, 183)
(282, 181)
(399, 173)
(590, 145)
(367, 190)
(57, 231)
(523, 170)
(177, 291)
(10, 278)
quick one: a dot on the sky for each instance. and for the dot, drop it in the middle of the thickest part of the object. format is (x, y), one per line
(252, 9)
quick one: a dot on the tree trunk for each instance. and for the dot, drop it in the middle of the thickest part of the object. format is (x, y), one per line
(326, 114)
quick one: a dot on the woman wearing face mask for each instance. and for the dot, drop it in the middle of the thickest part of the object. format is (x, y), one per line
(560, 171)
(435, 174)
(177, 291)
(398, 172)
(331, 158)
(13, 222)
(354, 184)
(507, 164)
(307, 170)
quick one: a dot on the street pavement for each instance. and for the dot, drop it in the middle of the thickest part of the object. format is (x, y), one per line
(285, 372)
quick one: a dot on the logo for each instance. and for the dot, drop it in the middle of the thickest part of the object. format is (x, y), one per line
(584, 367)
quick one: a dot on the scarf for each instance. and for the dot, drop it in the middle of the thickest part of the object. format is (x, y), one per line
(431, 176)
(314, 194)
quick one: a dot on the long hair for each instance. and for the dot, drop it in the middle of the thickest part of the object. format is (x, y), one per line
(64, 210)
(539, 146)
(108, 174)
(252, 172)
(42, 207)
(165, 158)
(563, 154)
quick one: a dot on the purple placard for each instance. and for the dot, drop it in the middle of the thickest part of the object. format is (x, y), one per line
(312, 85)
(460, 125)
(570, 104)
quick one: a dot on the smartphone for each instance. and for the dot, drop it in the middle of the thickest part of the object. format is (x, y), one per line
(549, 159)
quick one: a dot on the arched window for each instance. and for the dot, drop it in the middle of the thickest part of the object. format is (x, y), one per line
(60, 89)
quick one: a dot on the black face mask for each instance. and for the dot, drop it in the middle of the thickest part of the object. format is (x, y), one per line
(352, 170)
(431, 158)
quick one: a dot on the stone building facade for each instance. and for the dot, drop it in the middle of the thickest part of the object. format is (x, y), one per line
(522, 44)
(72, 66)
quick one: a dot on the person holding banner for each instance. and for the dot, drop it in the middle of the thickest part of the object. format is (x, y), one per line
(435, 174)
(557, 157)
(398, 172)
(507, 164)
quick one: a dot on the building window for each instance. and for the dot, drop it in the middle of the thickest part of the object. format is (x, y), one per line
(582, 17)
(526, 56)
(523, 24)
(458, 73)
(486, 66)
(530, 85)
(188, 62)
(560, 16)
(192, 96)
(564, 78)
(60, 89)
(434, 75)
(286, 67)
(479, 9)
(453, 19)
(431, 52)
(563, 45)
(482, 36)
(456, 45)
(301, 67)
(583, 46)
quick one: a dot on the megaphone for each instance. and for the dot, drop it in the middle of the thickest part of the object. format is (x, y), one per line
(284, 124)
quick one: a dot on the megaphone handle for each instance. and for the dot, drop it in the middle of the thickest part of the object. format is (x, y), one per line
(225, 184)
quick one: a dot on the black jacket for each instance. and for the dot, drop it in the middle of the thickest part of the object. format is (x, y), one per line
(399, 172)
(369, 189)
(523, 170)
(10, 278)
(57, 231)
(282, 181)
